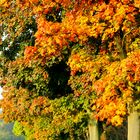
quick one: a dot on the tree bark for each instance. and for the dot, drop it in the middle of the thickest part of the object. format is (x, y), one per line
(93, 130)
(134, 126)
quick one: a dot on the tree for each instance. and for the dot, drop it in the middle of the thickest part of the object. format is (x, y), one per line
(68, 62)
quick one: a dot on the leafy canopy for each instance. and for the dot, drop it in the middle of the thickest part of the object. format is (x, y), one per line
(64, 62)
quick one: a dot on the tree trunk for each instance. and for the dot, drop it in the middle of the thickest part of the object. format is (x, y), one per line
(134, 126)
(93, 130)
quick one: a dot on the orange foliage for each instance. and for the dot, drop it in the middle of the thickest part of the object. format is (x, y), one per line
(98, 40)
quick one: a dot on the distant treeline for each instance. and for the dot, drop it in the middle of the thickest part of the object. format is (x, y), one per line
(6, 132)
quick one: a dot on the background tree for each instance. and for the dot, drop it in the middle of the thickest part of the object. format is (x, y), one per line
(6, 132)
(64, 63)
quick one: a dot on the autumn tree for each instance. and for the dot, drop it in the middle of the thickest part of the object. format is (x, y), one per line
(66, 63)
